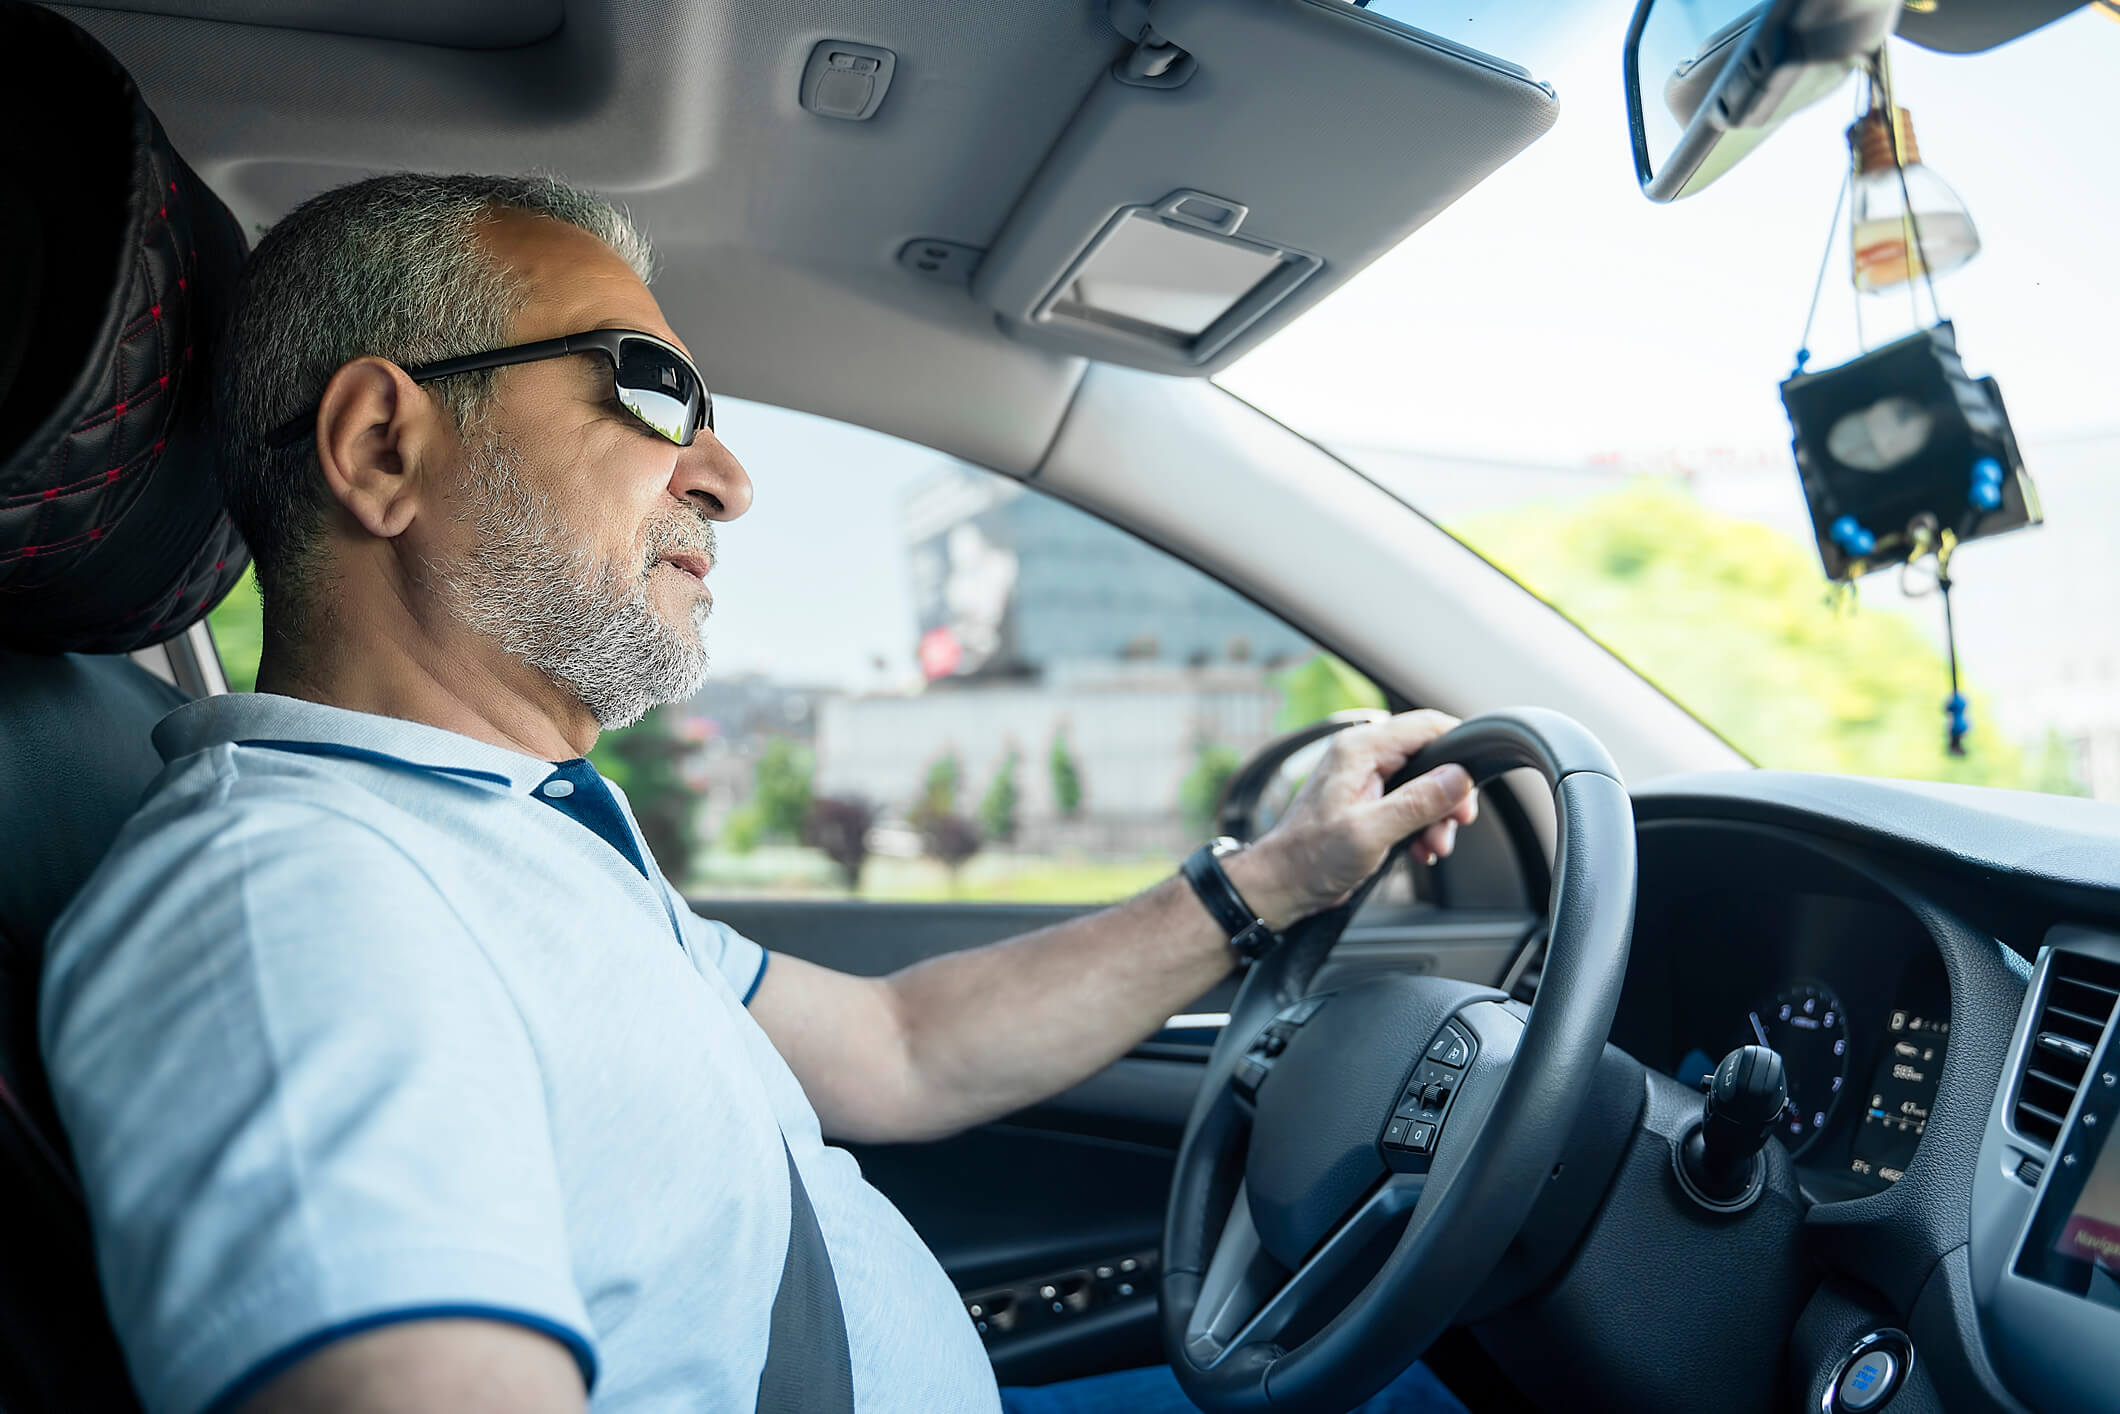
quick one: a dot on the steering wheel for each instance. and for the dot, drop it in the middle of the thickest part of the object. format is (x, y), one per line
(1356, 1163)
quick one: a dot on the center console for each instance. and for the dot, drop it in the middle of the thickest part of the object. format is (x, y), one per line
(2046, 1202)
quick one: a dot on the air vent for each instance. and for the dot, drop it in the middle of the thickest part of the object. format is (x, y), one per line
(2080, 995)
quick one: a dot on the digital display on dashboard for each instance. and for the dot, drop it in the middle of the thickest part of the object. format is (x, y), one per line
(1902, 1090)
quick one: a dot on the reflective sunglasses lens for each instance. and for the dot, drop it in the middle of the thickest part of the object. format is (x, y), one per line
(660, 389)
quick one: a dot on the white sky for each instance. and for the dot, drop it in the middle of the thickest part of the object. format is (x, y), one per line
(1555, 314)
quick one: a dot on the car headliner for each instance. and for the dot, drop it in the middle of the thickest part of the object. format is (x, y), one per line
(777, 230)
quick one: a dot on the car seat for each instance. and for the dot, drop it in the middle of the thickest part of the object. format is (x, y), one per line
(116, 267)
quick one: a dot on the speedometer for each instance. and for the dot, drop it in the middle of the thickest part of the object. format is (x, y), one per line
(1806, 1024)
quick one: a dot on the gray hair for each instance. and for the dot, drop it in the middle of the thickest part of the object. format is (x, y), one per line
(391, 267)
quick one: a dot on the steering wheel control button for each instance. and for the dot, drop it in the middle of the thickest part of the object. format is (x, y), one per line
(1425, 1103)
(1452, 1048)
(1272, 1044)
(1249, 1077)
(1870, 1374)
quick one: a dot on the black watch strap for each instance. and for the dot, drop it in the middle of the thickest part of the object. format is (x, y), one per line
(1249, 936)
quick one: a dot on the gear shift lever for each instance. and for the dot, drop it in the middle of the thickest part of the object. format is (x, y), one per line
(1718, 1161)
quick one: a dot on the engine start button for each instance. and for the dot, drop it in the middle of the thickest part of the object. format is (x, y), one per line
(1871, 1373)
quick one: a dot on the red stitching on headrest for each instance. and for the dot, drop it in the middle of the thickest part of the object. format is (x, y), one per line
(53, 493)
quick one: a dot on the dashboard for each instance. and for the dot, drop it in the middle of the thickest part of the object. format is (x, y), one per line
(1940, 968)
(1850, 991)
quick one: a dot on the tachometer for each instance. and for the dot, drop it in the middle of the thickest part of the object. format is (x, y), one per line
(1806, 1024)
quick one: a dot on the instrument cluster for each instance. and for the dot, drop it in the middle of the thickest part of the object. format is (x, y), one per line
(1852, 994)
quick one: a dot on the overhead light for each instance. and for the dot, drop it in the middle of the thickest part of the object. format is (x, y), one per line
(1891, 248)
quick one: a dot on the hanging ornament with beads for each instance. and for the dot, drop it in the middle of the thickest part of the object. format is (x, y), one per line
(1902, 454)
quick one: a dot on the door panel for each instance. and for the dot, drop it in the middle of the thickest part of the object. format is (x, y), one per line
(1068, 1190)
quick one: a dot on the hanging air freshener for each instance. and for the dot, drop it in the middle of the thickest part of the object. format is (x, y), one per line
(1900, 433)
(1902, 454)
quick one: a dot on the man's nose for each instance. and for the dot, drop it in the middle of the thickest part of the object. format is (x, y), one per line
(709, 477)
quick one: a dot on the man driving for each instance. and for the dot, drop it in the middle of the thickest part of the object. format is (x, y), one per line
(398, 1076)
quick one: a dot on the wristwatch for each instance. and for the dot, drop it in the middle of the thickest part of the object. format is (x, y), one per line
(1249, 936)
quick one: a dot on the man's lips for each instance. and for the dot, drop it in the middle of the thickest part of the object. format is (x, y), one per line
(692, 562)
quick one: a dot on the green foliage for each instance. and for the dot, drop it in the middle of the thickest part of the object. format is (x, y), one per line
(997, 808)
(1201, 790)
(646, 761)
(1067, 779)
(1730, 618)
(780, 789)
(938, 795)
(743, 830)
(238, 626)
(1318, 687)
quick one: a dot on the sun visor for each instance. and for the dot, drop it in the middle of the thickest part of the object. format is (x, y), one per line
(1240, 163)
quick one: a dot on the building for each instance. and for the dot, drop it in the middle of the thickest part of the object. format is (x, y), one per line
(1040, 622)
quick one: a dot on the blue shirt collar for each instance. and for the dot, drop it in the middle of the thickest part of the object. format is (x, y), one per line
(265, 718)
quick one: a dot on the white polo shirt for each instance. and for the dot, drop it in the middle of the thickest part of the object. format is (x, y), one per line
(350, 1028)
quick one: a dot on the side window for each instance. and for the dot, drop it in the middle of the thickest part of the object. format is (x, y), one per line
(933, 682)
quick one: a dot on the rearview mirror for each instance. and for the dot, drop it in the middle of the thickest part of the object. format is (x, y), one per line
(1708, 80)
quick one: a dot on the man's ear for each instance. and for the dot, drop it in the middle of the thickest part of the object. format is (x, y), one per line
(375, 431)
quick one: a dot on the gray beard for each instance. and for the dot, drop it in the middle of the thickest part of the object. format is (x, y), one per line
(585, 623)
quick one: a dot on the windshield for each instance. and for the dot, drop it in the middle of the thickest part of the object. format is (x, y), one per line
(1583, 386)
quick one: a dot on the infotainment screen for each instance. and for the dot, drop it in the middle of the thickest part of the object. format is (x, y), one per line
(2073, 1241)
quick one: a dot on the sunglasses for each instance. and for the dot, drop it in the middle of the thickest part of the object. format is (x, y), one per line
(653, 380)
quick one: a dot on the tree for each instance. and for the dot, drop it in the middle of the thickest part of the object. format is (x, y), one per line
(938, 794)
(1067, 780)
(1201, 790)
(646, 761)
(238, 626)
(780, 788)
(1316, 688)
(951, 839)
(838, 826)
(1729, 617)
(997, 808)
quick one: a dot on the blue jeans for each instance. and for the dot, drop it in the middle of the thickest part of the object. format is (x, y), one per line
(1155, 1390)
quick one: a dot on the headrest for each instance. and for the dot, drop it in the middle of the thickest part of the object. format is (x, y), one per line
(117, 269)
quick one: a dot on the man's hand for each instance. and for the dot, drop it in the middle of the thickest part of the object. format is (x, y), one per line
(1340, 824)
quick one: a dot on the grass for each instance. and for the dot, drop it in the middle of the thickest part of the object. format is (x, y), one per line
(788, 871)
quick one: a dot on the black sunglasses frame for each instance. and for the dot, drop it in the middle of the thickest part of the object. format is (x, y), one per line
(608, 342)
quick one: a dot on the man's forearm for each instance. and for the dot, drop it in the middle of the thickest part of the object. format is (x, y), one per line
(964, 1038)
(993, 1029)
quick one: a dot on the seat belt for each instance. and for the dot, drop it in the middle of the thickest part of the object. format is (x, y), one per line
(807, 1369)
